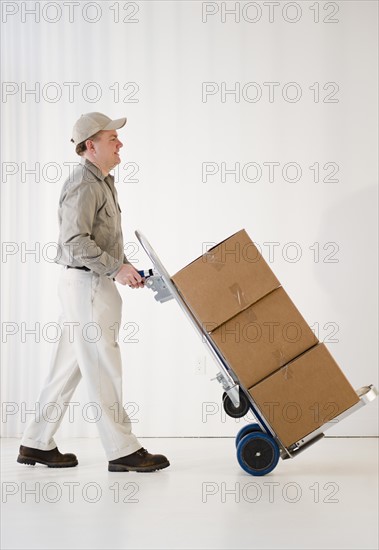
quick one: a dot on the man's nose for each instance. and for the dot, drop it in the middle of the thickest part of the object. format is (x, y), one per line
(120, 144)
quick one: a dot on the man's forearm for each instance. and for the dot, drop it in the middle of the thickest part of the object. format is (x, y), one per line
(82, 250)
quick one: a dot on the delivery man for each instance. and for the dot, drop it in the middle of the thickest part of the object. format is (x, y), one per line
(91, 251)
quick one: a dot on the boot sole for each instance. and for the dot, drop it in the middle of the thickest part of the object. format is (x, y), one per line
(32, 461)
(123, 468)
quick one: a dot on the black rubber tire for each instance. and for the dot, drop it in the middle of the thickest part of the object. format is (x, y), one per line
(248, 429)
(231, 410)
(257, 453)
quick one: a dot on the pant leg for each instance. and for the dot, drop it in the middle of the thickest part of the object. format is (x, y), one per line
(59, 386)
(92, 310)
(94, 302)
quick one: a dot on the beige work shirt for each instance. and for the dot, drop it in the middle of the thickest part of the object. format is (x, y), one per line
(89, 215)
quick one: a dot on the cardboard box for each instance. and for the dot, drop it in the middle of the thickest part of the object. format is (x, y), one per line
(225, 280)
(304, 395)
(264, 337)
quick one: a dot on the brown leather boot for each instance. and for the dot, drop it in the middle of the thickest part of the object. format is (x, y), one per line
(52, 459)
(140, 461)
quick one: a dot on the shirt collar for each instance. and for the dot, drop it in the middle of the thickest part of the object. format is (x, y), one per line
(93, 168)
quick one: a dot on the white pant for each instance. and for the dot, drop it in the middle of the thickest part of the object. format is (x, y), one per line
(91, 317)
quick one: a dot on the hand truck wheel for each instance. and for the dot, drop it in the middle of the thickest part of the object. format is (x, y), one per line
(231, 410)
(257, 453)
(250, 428)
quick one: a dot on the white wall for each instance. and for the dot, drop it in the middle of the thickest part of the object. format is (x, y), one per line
(171, 131)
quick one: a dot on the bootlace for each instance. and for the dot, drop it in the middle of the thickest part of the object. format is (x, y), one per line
(142, 451)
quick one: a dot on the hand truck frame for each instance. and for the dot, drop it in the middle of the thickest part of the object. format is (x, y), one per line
(258, 446)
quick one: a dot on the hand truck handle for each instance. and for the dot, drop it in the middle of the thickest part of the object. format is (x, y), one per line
(146, 273)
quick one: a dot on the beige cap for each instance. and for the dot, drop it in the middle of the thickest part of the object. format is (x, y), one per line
(91, 123)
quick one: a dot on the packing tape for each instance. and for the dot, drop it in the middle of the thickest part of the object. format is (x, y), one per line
(210, 257)
(287, 371)
(239, 295)
(281, 360)
(251, 315)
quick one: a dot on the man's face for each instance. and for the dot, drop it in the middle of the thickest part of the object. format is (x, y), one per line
(105, 150)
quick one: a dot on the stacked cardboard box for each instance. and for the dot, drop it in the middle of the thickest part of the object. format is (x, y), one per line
(238, 300)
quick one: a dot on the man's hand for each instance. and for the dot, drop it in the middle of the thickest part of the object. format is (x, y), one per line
(128, 275)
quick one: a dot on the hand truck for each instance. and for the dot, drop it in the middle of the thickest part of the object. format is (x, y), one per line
(258, 446)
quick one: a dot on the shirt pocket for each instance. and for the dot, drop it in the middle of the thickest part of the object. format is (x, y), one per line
(111, 219)
(110, 210)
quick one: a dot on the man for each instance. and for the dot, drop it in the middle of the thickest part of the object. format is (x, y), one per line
(91, 251)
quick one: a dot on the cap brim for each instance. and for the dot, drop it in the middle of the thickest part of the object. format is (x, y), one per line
(115, 124)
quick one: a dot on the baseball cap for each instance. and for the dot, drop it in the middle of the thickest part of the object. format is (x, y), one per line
(90, 123)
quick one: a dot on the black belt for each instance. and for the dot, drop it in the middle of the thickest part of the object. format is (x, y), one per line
(84, 268)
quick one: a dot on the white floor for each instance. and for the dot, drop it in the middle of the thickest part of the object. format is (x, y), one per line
(326, 498)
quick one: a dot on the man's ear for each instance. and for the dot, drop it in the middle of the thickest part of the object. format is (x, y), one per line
(90, 145)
